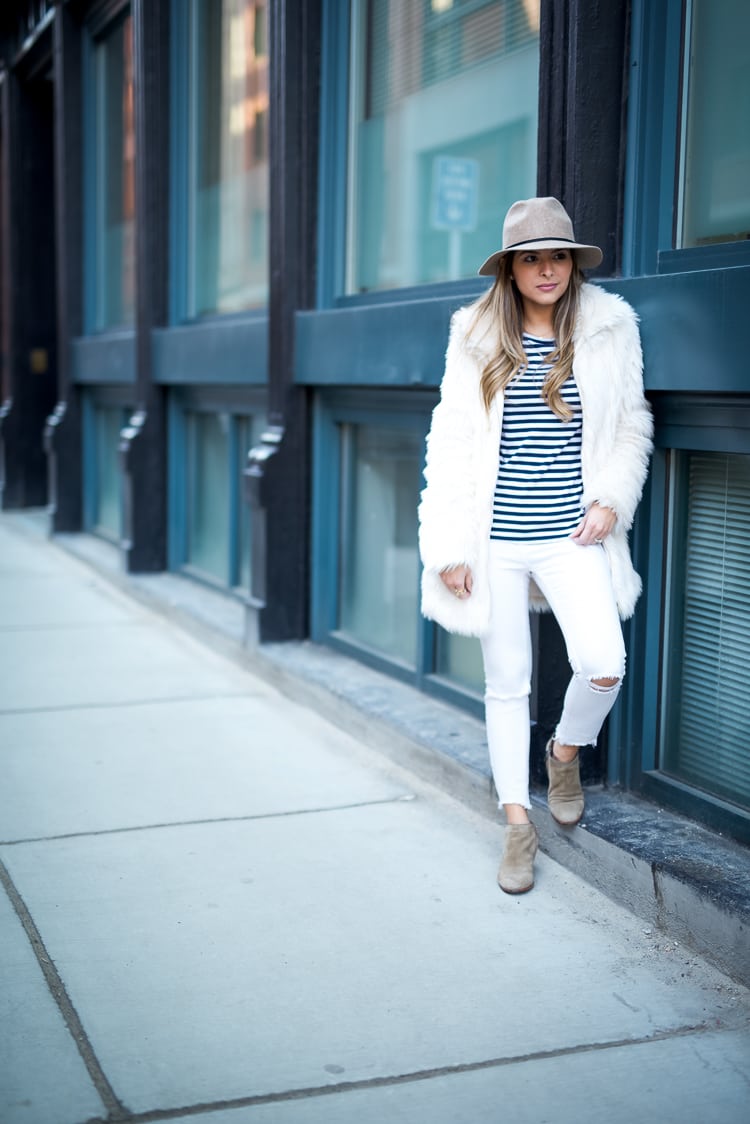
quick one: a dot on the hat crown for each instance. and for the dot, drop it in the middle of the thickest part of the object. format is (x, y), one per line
(532, 220)
(539, 224)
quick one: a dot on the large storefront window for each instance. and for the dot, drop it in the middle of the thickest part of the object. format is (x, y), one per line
(112, 280)
(716, 147)
(227, 174)
(706, 710)
(443, 135)
(380, 482)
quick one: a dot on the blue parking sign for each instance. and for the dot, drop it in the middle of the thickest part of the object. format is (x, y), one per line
(455, 191)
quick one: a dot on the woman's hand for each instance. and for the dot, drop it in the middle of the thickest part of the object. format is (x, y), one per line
(458, 580)
(596, 524)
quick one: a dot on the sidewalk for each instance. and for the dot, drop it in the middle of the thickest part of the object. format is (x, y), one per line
(219, 907)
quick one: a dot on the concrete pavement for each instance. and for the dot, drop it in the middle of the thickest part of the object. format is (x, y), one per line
(219, 907)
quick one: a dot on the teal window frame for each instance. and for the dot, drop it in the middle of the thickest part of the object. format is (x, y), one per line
(179, 158)
(93, 33)
(333, 180)
(690, 422)
(332, 166)
(657, 77)
(178, 161)
(698, 389)
(706, 706)
(238, 404)
(374, 408)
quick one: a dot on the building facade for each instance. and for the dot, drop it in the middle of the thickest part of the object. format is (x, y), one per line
(232, 233)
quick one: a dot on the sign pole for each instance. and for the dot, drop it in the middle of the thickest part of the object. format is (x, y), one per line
(454, 256)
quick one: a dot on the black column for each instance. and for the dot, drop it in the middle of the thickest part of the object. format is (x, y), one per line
(277, 473)
(28, 281)
(583, 85)
(63, 432)
(143, 445)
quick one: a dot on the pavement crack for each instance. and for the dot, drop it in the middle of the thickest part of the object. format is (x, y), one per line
(114, 1107)
(389, 1081)
(115, 704)
(208, 821)
(69, 626)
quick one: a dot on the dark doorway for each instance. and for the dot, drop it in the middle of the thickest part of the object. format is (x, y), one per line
(28, 278)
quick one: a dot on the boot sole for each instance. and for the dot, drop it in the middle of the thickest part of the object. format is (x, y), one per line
(524, 890)
(565, 823)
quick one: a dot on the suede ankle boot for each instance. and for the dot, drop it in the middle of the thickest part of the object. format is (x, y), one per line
(564, 795)
(516, 874)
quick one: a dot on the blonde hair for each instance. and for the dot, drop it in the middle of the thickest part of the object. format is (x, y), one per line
(501, 309)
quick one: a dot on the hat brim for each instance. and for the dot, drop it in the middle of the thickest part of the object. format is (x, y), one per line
(588, 257)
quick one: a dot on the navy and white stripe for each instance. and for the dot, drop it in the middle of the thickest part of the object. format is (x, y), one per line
(539, 486)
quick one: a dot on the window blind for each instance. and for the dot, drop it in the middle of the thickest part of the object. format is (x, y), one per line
(707, 735)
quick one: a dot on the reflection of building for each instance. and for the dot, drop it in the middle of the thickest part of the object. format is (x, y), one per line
(436, 83)
(228, 155)
(243, 252)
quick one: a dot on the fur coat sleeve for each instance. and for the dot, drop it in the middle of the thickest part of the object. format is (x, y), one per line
(455, 512)
(608, 368)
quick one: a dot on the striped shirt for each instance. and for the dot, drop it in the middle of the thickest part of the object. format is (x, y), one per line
(539, 486)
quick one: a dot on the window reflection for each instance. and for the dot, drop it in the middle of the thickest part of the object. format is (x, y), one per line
(716, 176)
(228, 169)
(114, 149)
(218, 533)
(208, 521)
(107, 514)
(444, 126)
(381, 474)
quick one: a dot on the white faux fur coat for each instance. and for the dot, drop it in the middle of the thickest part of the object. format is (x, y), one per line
(455, 512)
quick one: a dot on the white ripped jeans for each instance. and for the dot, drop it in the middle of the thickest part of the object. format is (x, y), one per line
(577, 585)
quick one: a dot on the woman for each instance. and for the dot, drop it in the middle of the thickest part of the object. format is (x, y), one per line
(536, 460)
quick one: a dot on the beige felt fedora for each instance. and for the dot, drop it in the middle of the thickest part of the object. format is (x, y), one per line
(540, 224)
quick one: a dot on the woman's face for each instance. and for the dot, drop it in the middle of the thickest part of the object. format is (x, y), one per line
(542, 276)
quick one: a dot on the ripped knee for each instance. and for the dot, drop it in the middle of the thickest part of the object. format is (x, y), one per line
(604, 683)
